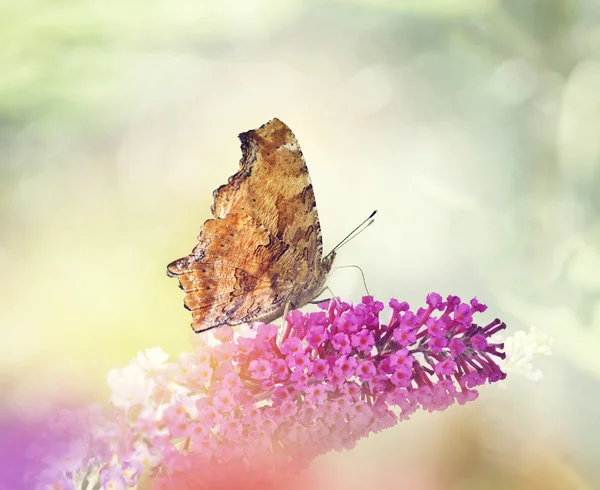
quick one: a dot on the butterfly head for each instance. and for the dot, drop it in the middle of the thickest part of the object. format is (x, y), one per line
(327, 261)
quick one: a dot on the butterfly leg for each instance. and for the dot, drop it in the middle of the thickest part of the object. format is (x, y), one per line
(361, 273)
(317, 301)
(286, 309)
(333, 299)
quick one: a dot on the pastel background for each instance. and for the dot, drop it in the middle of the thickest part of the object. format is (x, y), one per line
(473, 126)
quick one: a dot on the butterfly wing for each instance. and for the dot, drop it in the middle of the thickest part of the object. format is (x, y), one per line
(263, 249)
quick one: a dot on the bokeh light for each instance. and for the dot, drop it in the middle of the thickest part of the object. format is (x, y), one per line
(471, 125)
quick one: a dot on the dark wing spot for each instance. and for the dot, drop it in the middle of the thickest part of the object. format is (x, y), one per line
(245, 281)
(274, 280)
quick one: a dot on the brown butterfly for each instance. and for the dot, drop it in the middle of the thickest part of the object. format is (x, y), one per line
(262, 252)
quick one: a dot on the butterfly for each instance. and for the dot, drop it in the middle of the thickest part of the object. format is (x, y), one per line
(261, 253)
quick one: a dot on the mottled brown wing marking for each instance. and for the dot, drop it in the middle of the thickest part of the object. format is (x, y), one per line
(236, 310)
(233, 307)
(234, 238)
(235, 258)
(209, 277)
(197, 298)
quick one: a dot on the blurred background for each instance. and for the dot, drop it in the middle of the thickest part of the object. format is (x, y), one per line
(473, 126)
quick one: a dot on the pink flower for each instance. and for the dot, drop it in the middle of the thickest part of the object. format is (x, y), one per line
(316, 336)
(260, 369)
(232, 428)
(211, 416)
(438, 343)
(299, 361)
(224, 401)
(346, 323)
(408, 319)
(479, 342)
(446, 367)
(200, 431)
(363, 340)
(345, 366)
(289, 408)
(175, 414)
(462, 314)
(292, 346)
(245, 345)
(316, 394)
(299, 380)
(331, 378)
(319, 369)
(398, 306)
(401, 378)
(351, 390)
(341, 343)
(436, 328)
(457, 347)
(401, 360)
(252, 415)
(365, 371)
(477, 306)
(435, 301)
(112, 477)
(224, 334)
(279, 369)
(267, 332)
(280, 395)
(404, 335)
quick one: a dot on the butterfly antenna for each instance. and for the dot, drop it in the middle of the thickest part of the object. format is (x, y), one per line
(357, 231)
(361, 273)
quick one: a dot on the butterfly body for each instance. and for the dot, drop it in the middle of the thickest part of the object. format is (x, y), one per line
(262, 251)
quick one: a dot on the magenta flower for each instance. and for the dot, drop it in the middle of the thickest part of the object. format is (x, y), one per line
(327, 380)
(340, 374)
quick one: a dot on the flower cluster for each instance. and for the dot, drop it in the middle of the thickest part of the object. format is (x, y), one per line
(282, 398)
(522, 348)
